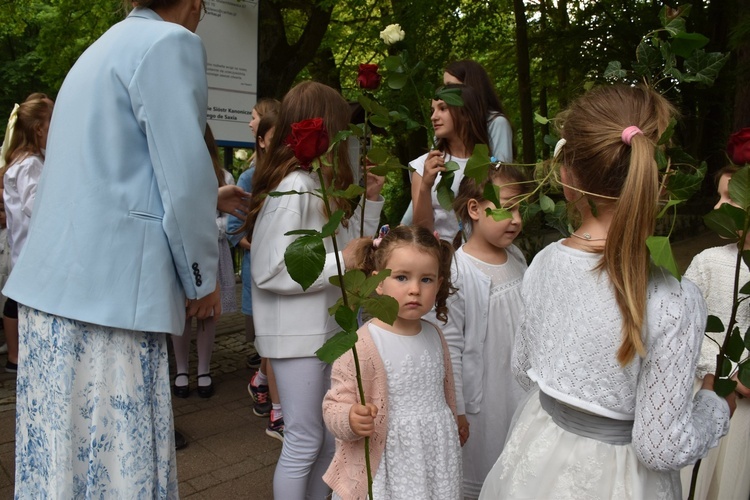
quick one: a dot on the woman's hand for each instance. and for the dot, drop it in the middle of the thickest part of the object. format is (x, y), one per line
(362, 419)
(233, 200)
(463, 429)
(708, 383)
(208, 306)
(433, 165)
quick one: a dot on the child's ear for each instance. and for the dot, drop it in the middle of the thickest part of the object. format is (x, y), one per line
(379, 288)
(473, 208)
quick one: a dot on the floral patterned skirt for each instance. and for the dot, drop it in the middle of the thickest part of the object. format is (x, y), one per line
(93, 411)
(542, 460)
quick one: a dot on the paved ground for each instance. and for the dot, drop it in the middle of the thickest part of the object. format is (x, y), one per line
(229, 454)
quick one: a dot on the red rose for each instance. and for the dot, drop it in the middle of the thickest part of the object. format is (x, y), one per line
(368, 77)
(308, 140)
(738, 147)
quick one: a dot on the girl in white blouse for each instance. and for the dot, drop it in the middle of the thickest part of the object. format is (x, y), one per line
(610, 340)
(483, 317)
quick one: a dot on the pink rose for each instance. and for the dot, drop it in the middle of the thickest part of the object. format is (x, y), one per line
(308, 140)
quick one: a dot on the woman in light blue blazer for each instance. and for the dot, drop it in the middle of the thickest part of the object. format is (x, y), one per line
(123, 233)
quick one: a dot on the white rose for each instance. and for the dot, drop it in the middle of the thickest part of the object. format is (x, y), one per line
(241, 154)
(392, 34)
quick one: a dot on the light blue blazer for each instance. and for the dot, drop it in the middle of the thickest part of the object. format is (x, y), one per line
(123, 228)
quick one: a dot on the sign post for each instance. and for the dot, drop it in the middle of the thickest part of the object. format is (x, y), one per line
(230, 34)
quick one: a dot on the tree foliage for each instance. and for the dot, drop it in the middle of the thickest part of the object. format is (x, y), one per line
(570, 43)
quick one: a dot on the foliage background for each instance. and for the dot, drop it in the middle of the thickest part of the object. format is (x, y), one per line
(540, 54)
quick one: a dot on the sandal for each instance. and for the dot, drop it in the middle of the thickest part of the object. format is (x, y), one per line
(206, 391)
(180, 391)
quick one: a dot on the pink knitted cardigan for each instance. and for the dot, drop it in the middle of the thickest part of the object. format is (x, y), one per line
(347, 474)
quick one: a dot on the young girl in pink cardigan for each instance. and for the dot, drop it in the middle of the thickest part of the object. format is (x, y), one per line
(410, 416)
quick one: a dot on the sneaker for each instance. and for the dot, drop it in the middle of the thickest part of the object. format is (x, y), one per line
(262, 404)
(13, 368)
(253, 361)
(275, 429)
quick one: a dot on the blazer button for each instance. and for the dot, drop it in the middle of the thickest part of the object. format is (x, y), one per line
(196, 272)
(195, 266)
(198, 282)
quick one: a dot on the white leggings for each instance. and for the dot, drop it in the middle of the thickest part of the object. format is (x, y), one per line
(308, 446)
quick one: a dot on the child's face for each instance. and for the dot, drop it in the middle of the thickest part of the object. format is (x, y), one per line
(723, 190)
(442, 120)
(414, 282)
(489, 232)
(254, 121)
(448, 79)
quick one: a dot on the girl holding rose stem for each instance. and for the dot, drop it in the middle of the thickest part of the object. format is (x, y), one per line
(723, 472)
(291, 324)
(577, 436)
(457, 129)
(409, 416)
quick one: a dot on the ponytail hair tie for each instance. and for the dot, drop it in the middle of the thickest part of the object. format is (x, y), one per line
(629, 132)
(381, 234)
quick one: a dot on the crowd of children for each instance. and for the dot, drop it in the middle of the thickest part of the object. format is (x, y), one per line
(583, 376)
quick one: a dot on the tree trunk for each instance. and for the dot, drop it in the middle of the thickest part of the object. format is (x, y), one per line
(742, 83)
(524, 82)
(279, 61)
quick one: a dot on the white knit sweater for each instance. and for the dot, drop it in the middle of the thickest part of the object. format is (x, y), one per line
(713, 271)
(568, 343)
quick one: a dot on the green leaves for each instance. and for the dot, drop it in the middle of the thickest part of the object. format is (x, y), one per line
(444, 188)
(336, 346)
(661, 254)
(478, 164)
(726, 221)
(714, 324)
(451, 97)
(704, 67)
(724, 387)
(739, 188)
(671, 54)
(305, 259)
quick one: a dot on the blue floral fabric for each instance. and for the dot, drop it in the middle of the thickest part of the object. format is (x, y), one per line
(93, 411)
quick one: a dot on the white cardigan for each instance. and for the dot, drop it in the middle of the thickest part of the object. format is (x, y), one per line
(290, 322)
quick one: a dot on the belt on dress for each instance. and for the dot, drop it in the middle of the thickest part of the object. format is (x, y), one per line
(604, 429)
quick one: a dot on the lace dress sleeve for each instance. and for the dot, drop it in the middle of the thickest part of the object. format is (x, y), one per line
(671, 428)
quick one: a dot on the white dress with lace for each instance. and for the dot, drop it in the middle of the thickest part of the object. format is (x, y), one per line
(723, 472)
(422, 456)
(567, 346)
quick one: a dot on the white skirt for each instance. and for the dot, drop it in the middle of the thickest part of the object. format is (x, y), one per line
(543, 461)
(93, 411)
